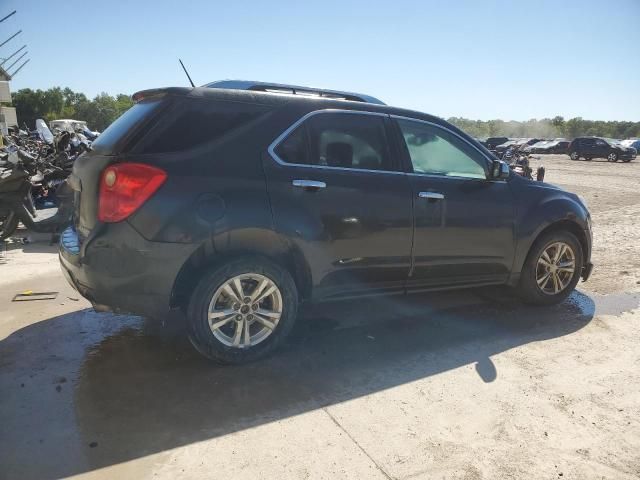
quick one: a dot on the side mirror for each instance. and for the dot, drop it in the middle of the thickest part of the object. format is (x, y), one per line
(500, 170)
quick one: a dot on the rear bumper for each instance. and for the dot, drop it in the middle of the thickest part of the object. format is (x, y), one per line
(120, 271)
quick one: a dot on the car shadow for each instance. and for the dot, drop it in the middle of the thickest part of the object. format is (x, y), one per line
(88, 390)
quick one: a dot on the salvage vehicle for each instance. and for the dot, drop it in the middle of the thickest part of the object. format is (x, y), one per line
(632, 142)
(492, 142)
(558, 145)
(239, 205)
(535, 147)
(596, 147)
(515, 145)
(555, 146)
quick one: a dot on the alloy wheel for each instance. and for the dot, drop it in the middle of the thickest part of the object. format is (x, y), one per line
(555, 268)
(245, 310)
(575, 155)
(612, 157)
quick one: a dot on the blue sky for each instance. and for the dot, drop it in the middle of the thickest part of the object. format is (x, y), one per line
(478, 59)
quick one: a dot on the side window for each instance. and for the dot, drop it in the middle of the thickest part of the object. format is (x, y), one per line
(601, 143)
(345, 140)
(293, 149)
(436, 151)
(190, 122)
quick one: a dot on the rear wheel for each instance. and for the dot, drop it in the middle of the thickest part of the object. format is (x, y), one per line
(612, 157)
(242, 311)
(552, 269)
(574, 155)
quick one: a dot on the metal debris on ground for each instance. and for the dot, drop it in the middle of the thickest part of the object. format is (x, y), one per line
(29, 296)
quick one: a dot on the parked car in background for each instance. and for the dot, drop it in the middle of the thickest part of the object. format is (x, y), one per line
(632, 142)
(597, 147)
(533, 148)
(492, 142)
(503, 147)
(516, 145)
(559, 145)
(237, 206)
(68, 125)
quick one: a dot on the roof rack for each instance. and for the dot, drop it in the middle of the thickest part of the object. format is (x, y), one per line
(292, 90)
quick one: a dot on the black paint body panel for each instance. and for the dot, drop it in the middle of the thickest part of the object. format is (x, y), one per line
(365, 233)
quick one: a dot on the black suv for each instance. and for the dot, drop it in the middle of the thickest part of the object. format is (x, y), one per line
(238, 205)
(595, 147)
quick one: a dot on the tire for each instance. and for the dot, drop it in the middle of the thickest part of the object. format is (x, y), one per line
(588, 159)
(612, 157)
(532, 272)
(8, 225)
(574, 155)
(223, 344)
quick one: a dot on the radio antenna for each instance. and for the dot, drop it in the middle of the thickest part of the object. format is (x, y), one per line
(186, 73)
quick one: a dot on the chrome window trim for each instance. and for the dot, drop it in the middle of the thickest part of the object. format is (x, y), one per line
(271, 148)
(489, 160)
(454, 177)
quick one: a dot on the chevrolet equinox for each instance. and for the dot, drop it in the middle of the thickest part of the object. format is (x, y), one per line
(239, 201)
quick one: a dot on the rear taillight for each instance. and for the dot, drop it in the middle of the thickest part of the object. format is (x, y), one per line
(126, 186)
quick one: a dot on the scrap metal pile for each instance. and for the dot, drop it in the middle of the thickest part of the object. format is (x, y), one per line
(33, 168)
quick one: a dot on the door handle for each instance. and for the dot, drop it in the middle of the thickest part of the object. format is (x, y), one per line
(310, 184)
(431, 195)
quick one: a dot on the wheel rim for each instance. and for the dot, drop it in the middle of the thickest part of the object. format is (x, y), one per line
(555, 268)
(245, 310)
(574, 155)
(612, 157)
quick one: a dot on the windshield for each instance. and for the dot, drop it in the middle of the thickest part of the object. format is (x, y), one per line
(613, 141)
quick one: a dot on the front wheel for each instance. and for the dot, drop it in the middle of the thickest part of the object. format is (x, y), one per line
(241, 311)
(574, 156)
(612, 157)
(552, 269)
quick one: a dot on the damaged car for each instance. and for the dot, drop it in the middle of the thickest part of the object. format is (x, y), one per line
(240, 204)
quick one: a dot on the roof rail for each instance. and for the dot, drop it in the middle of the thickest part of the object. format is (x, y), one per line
(292, 90)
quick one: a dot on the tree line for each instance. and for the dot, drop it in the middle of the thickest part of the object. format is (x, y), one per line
(100, 111)
(56, 103)
(548, 128)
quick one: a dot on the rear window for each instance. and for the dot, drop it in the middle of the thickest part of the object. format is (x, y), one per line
(107, 141)
(189, 123)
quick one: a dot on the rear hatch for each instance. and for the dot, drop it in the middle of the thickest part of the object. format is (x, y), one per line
(114, 141)
(157, 131)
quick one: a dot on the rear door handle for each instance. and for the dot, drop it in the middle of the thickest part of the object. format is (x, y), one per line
(310, 184)
(431, 195)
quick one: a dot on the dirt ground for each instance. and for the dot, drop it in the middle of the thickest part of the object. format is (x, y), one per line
(460, 385)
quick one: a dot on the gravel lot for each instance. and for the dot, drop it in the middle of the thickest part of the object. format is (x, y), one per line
(468, 385)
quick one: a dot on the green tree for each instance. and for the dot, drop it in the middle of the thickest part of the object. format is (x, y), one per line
(56, 103)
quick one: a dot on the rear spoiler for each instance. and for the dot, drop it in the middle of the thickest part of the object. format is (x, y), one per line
(159, 92)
